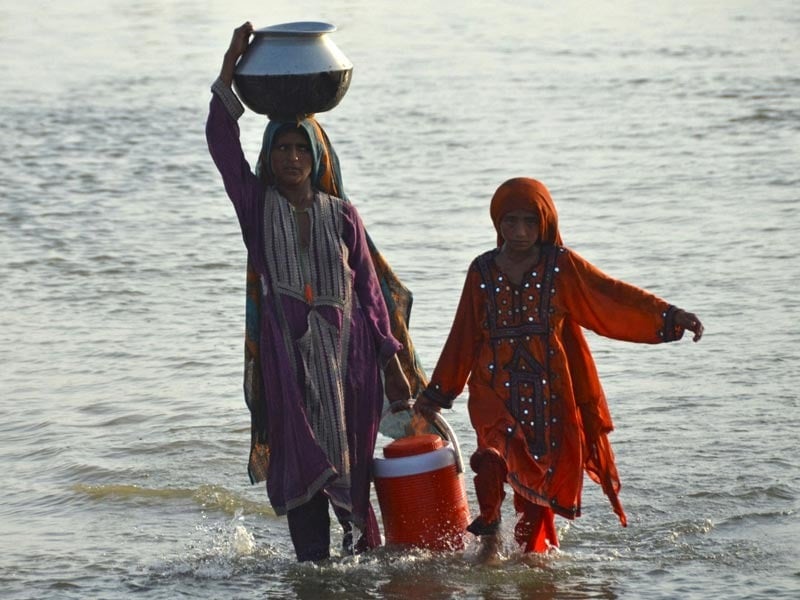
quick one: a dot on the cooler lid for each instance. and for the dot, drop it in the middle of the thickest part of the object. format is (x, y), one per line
(413, 445)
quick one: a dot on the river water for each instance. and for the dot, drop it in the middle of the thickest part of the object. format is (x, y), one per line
(669, 135)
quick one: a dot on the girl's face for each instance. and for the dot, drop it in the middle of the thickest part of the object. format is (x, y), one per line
(290, 158)
(520, 229)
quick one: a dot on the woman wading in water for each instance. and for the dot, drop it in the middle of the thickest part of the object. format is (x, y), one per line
(319, 333)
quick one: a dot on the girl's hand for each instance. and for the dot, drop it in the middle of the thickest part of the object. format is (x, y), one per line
(427, 408)
(689, 321)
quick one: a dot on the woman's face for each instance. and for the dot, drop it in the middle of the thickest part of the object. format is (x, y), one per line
(520, 229)
(291, 158)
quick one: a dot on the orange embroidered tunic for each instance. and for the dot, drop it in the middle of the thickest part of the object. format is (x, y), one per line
(508, 343)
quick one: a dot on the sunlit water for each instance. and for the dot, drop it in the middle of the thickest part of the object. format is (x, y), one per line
(669, 135)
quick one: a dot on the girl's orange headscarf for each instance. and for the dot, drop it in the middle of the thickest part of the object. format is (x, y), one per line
(522, 193)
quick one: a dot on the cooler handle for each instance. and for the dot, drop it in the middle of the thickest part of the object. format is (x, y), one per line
(448, 433)
(442, 428)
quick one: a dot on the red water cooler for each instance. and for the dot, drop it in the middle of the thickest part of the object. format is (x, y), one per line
(420, 487)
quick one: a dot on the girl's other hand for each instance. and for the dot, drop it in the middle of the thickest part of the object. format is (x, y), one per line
(689, 321)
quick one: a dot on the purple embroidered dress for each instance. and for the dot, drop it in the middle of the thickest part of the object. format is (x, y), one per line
(320, 359)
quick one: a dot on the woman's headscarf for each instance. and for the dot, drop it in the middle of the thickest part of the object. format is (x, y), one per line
(325, 173)
(522, 193)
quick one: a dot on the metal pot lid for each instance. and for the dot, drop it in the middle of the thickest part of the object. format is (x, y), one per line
(298, 28)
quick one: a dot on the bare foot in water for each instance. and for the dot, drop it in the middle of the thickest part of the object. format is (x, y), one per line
(489, 552)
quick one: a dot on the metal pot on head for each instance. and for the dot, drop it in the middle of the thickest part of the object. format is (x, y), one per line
(292, 69)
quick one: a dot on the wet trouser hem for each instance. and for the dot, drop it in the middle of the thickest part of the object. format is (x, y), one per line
(310, 529)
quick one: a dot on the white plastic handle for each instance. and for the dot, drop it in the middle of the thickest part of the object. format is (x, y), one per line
(440, 423)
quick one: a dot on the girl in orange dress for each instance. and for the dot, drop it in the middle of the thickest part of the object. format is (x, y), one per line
(516, 342)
